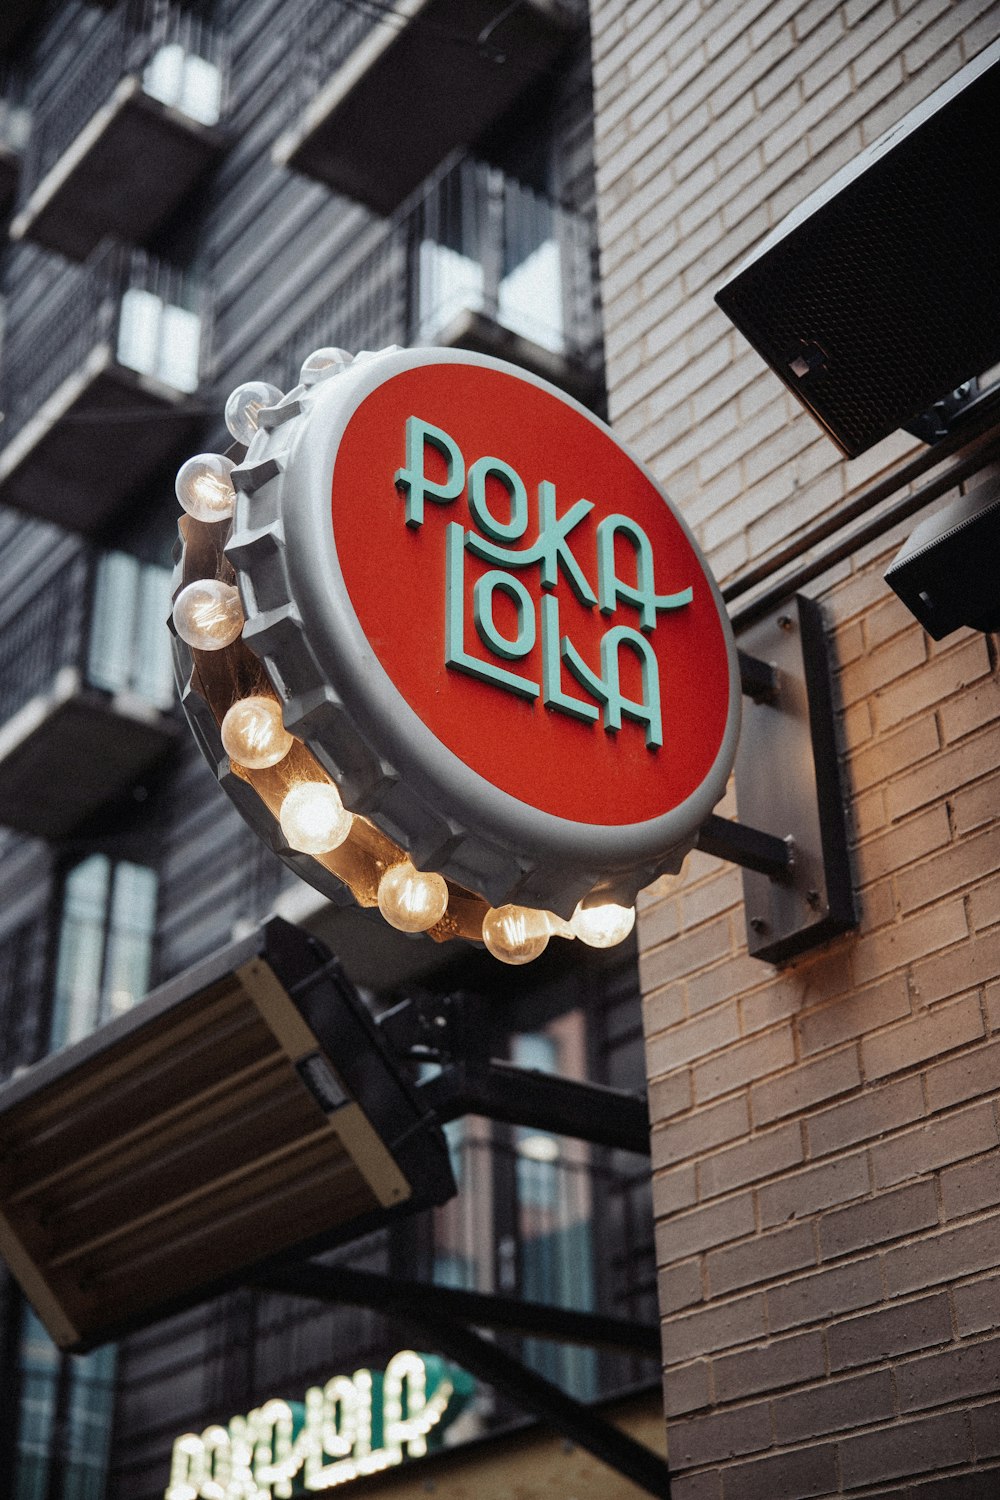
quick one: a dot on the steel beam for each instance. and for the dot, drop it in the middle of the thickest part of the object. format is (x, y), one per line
(482, 1358)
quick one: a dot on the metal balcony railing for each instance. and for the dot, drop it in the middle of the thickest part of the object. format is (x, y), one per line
(182, 61)
(475, 259)
(481, 242)
(150, 317)
(540, 1219)
(382, 93)
(102, 616)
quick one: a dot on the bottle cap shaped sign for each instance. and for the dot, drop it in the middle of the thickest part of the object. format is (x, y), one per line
(483, 621)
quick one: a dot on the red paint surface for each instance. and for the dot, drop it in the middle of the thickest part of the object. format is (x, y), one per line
(395, 576)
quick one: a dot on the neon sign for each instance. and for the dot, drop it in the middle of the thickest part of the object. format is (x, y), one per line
(353, 1425)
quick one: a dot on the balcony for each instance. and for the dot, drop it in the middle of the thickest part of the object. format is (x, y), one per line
(498, 268)
(474, 261)
(385, 93)
(95, 388)
(115, 149)
(85, 683)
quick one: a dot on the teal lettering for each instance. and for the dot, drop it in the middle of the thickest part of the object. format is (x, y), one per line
(611, 588)
(500, 531)
(550, 548)
(607, 690)
(554, 650)
(455, 654)
(413, 478)
(482, 613)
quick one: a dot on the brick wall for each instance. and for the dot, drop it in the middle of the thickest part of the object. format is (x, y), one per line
(825, 1146)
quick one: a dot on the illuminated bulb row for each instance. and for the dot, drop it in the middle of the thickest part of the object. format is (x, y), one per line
(519, 934)
(208, 614)
(253, 734)
(313, 818)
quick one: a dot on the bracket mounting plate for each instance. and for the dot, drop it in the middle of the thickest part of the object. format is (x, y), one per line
(788, 783)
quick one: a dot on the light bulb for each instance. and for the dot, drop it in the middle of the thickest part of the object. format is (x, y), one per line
(245, 405)
(602, 926)
(515, 934)
(313, 818)
(323, 362)
(253, 734)
(208, 614)
(204, 488)
(410, 899)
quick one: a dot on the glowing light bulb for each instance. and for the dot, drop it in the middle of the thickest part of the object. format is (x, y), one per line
(204, 488)
(323, 362)
(313, 818)
(515, 934)
(245, 405)
(410, 899)
(602, 926)
(208, 614)
(253, 734)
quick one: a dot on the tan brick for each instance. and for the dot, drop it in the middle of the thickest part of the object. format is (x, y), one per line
(886, 1216)
(949, 870)
(948, 1256)
(761, 1156)
(938, 679)
(903, 844)
(984, 904)
(801, 1194)
(972, 963)
(889, 754)
(699, 1132)
(675, 1190)
(685, 1234)
(865, 1117)
(805, 1085)
(945, 774)
(970, 711)
(739, 1065)
(683, 954)
(697, 1038)
(907, 941)
(822, 1294)
(809, 984)
(976, 1071)
(976, 805)
(761, 1259)
(926, 1036)
(717, 1326)
(854, 1015)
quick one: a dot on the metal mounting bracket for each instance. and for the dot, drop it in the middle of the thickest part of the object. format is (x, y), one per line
(788, 784)
(440, 1317)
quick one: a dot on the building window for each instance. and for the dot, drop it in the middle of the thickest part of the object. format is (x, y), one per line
(65, 1419)
(129, 649)
(105, 945)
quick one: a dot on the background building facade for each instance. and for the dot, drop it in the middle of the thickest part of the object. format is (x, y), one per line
(825, 1136)
(162, 251)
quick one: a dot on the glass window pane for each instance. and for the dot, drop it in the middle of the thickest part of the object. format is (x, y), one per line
(89, 1404)
(130, 938)
(153, 673)
(177, 357)
(39, 1360)
(81, 950)
(112, 630)
(139, 330)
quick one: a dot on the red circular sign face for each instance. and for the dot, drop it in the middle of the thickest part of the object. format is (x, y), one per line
(530, 594)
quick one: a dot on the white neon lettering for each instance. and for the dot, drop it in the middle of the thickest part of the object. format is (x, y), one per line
(258, 1456)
